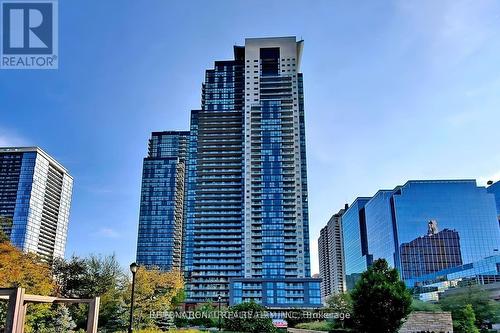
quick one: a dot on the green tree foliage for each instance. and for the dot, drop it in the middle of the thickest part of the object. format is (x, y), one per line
(250, 317)
(91, 277)
(63, 322)
(464, 320)
(88, 277)
(418, 305)
(207, 316)
(156, 293)
(5, 224)
(25, 270)
(485, 309)
(3, 236)
(296, 317)
(341, 304)
(95, 276)
(46, 319)
(380, 300)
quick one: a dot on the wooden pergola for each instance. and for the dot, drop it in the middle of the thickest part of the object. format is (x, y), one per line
(18, 302)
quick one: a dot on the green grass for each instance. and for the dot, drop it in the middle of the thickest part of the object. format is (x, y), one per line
(315, 326)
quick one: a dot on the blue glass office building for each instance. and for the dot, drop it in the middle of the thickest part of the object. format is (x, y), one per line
(356, 257)
(162, 201)
(495, 190)
(438, 234)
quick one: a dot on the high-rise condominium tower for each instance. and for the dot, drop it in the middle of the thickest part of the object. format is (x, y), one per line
(245, 230)
(331, 257)
(35, 199)
(162, 201)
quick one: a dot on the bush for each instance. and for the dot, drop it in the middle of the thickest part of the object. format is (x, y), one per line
(257, 322)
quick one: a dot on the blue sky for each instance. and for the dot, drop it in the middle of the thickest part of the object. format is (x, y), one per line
(394, 90)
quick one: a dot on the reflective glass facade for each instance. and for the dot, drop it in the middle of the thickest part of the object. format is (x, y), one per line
(35, 198)
(245, 189)
(381, 235)
(495, 190)
(277, 293)
(356, 258)
(435, 232)
(276, 220)
(431, 253)
(276, 208)
(162, 201)
(213, 247)
(456, 205)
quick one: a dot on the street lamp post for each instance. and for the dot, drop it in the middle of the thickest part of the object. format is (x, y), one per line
(133, 269)
(219, 299)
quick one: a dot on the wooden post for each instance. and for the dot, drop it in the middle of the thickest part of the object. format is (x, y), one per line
(93, 315)
(16, 301)
(21, 316)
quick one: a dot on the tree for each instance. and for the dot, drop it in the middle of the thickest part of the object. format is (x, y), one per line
(485, 310)
(156, 292)
(91, 277)
(419, 305)
(295, 317)
(207, 317)
(3, 237)
(464, 321)
(28, 271)
(341, 304)
(381, 301)
(25, 270)
(63, 322)
(249, 317)
(5, 224)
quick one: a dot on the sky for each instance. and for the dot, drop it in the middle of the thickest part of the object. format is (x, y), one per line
(394, 90)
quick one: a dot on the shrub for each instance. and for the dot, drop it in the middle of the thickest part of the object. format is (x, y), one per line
(257, 322)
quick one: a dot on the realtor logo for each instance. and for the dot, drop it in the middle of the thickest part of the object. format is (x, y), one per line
(29, 35)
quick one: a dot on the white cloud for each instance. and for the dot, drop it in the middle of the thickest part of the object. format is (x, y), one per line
(108, 233)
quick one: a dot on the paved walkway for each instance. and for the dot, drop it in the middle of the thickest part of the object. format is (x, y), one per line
(298, 330)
